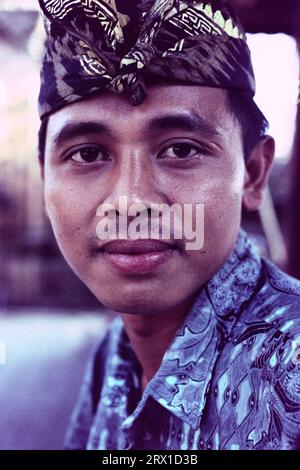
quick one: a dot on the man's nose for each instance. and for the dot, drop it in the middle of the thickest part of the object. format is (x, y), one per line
(134, 183)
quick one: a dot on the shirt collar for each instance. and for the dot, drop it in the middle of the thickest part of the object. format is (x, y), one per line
(182, 381)
(234, 284)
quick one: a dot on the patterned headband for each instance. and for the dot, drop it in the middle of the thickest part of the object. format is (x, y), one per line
(113, 44)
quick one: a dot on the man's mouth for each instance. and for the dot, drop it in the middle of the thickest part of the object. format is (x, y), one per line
(137, 256)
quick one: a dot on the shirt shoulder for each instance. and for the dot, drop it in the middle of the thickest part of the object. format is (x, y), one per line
(270, 332)
(277, 301)
(281, 281)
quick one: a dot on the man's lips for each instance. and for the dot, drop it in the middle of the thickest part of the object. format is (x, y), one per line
(137, 256)
(134, 247)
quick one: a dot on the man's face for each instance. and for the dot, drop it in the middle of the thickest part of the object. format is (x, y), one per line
(182, 145)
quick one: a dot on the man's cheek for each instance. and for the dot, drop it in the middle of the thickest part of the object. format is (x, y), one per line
(54, 208)
(60, 213)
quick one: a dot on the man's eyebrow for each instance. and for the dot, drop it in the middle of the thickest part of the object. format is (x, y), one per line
(188, 121)
(71, 130)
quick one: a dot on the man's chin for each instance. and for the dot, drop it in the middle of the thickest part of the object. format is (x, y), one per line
(136, 306)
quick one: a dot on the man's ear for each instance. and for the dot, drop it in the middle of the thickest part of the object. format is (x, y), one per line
(257, 171)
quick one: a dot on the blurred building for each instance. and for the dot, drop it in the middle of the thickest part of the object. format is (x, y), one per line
(32, 271)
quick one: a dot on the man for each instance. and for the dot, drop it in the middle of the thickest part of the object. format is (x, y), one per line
(153, 101)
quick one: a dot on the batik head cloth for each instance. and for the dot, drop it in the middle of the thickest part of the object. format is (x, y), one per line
(94, 45)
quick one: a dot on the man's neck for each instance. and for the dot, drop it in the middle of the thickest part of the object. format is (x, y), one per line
(150, 336)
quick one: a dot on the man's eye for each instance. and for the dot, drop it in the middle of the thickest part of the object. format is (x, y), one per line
(180, 150)
(89, 155)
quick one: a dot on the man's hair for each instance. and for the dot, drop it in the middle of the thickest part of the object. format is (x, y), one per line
(253, 123)
(42, 140)
(251, 120)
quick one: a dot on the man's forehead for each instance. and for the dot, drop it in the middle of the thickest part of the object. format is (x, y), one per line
(112, 110)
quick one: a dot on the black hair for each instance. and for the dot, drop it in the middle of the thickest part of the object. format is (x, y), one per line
(42, 139)
(253, 123)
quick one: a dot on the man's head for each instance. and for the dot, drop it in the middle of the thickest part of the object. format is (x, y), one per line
(153, 154)
(184, 143)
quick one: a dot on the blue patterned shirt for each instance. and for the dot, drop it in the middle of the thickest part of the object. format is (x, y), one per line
(229, 380)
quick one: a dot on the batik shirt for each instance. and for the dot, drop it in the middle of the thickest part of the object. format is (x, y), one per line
(229, 380)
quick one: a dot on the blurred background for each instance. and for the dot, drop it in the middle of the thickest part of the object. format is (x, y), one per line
(49, 322)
